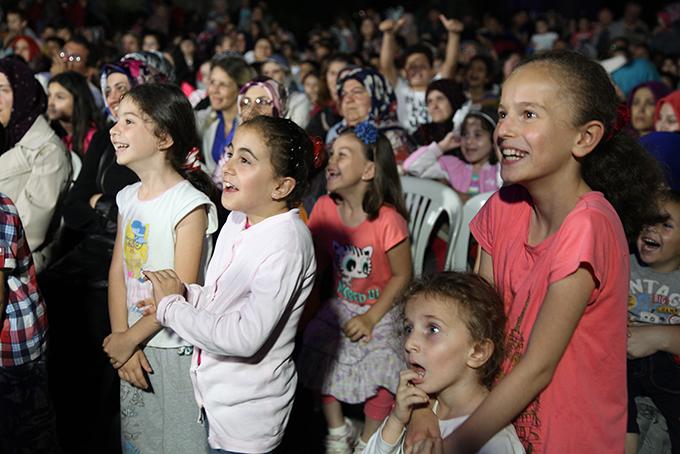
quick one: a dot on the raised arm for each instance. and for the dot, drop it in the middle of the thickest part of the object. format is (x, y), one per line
(388, 49)
(454, 28)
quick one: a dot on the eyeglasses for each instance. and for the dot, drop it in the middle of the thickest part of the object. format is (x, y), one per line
(259, 101)
(70, 57)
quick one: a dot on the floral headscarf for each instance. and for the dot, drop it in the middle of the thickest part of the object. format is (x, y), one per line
(29, 103)
(277, 93)
(140, 68)
(383, 100)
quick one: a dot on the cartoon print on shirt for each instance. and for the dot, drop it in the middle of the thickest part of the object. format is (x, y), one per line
(352, 262)
(136, 248)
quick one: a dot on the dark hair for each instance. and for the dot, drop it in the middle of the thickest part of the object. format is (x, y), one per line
(292, 152)
(670, 195)
(419, 49)
(480, 308)
(172, 114)
(85, 111)
(60, 42)
(385, 187)
(235, 67)
(618, 166)
(160, 37)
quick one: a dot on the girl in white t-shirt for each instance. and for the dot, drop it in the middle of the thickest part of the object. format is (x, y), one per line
(167, 214)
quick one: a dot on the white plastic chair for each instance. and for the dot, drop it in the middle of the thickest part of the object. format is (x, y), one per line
(76, 166)
(425, 201)
(458, 252)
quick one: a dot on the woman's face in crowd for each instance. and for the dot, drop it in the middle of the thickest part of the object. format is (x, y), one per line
(6, 100)
(438, 106)
(667, 121)
(274, 71)
(263, 50)
(23, 49)
(356, 102)
(255, 101)
(311, 86)
(476, 75)
(332, 77)
(222, 90)
(117, 84)
(642, 110)
(59, 103)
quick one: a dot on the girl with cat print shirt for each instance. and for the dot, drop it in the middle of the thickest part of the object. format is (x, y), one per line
(351, 352)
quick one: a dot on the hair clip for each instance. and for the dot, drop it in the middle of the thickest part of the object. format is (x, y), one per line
(319, 148)
(367, 132)
(621, 121)
(191, 163)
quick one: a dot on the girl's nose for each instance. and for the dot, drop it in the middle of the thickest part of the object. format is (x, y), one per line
(411, 344)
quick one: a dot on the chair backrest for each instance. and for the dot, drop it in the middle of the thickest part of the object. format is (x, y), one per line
(458, 252)
(76, 165)
(426, 200)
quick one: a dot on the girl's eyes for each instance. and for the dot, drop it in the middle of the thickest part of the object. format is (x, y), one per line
(408, 329)
(502, 114)
(244, 160)
(529, 114)
(433, 329)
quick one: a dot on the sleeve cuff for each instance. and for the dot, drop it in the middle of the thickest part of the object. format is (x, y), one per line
(7, 260)
(164, 306)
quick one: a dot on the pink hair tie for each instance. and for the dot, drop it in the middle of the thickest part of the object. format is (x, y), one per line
(192, 163)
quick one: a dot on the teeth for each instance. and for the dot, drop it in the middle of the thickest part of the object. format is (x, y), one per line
(513, 154)
(650, 242)
(228, 185)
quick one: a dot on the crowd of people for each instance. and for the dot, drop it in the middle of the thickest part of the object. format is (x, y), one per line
(268, 167)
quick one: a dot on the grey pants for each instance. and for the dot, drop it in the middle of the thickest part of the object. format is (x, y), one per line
(165, 418)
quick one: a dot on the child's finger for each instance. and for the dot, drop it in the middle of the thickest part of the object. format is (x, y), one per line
(145, 363)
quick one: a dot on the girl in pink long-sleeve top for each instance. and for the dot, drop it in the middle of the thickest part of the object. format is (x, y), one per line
(471, 171)
(242, 323)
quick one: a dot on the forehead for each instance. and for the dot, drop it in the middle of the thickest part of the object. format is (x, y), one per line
(248, 137)
(271, 66)
(348, 141)
(667, 109)
(75, 48)
(218, 73)
(436, 94)
(3, 79)
(643, 92)
(431, 305)
(673, 209)
(473, 123)
(56, 87)
(116, 78)
(351, 84)
(417, 59)
(256, 91)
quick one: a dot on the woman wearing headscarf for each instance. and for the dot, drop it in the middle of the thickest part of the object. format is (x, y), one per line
(35, 166)
(444, 98)
(365, 95)
(90, 216)
(641, 103)
(217, 123)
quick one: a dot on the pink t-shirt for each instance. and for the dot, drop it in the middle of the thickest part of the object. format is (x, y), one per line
(361, 268)
(584, 407)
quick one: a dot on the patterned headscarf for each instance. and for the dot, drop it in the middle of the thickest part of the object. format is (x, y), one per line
(383, 100)
(277, 93)
(140, 68)
(29, 100)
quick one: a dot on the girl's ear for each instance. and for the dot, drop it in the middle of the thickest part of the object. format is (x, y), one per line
(284, 187)
(592, 133)
(480, 353)
(369, 171)
(165, 142)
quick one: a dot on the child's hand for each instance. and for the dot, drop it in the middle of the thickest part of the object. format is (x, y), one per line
(133, 370)
(449, 142)
(408, 396)
(643, 341)
(119, 347)
(147, 306)
(165, 282)
(423, 426)
(391, 25)
(426, 446)
(359, 327)
(451, 25)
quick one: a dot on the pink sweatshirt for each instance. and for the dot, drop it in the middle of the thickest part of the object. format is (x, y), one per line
(429, 162)
(242, 324)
